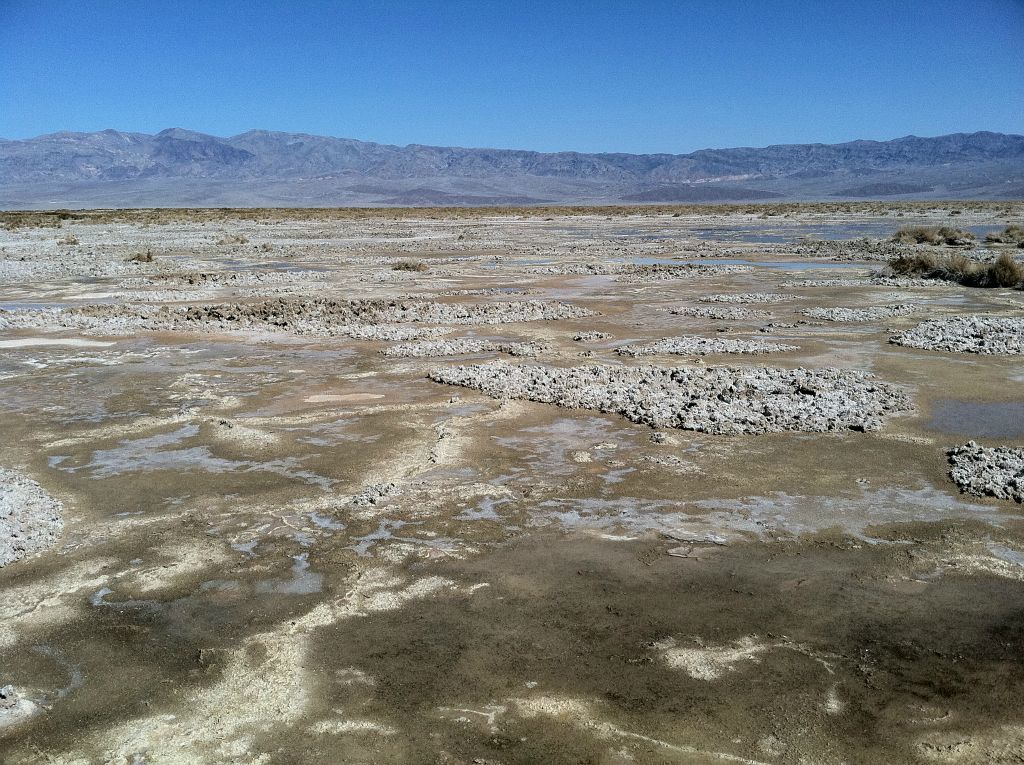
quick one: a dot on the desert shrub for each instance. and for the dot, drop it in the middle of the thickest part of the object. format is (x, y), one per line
(1004, 271)
(923, 264)
(409, 265)
(1012, 234)
(933, 235)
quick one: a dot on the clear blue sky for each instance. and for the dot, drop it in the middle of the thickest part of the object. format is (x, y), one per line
(592, 76)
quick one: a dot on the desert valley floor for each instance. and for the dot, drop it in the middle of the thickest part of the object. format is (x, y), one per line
(606, 486)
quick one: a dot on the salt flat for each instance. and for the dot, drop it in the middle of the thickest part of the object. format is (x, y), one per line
(606, 485)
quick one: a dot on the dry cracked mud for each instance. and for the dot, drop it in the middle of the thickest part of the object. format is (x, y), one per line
(253, 513)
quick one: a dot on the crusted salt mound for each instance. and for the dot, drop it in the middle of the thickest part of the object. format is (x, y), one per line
(643, 271)
(724, 400)
(875, 280)
(967, 334)
(591, 337)
(988, 471)
(459, 346)
(692, 345)
(748, 297)
(30, 519)
(722, 312)
(873, 313)
(222, 278)
(314, 316)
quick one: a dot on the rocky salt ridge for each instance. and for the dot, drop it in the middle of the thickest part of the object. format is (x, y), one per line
(356, 318)
(30, 519)
(692, 345)
(875, 280)
(988, 471)
(850, 249)
(722, 313)
(720, 400)
(460, 346)
(748, 297)
(967, 334)
(222, 279)
(642, 271)
(873, 313)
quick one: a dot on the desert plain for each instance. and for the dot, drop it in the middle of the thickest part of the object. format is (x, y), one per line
(608, 485)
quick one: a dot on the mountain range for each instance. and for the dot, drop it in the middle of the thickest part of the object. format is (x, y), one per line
(183, 168)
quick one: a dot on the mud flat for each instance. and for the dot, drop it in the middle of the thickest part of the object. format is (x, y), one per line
(276, 490)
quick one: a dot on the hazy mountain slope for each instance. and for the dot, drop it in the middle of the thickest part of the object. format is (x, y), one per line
(182, 167)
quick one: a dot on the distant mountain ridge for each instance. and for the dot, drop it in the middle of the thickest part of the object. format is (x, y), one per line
(178, 167)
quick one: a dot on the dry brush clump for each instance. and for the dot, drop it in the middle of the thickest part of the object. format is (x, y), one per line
(410, 265)
(1005, 271)
(934, 235)
(1012, 234)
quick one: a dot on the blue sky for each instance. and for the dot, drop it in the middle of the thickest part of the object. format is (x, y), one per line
(591, 76)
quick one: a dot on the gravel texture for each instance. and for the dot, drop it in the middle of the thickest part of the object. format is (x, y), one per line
(693, 345)
(967, 334)
(988, 471)
(459, 346)
(723, 313)
(873, 313)
(724, 400)
(30, 519)
(748, 297)
(313, 316)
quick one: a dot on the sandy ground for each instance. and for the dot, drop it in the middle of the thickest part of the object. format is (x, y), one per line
(283, 542)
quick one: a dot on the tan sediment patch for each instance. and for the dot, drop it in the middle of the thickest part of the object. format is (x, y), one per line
(342, 398)
(343, 727)
(711, 662)
(48, 602)
(580, 714)
(175, 562)
(1000, 745)
(69, 342)
(236, 432)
